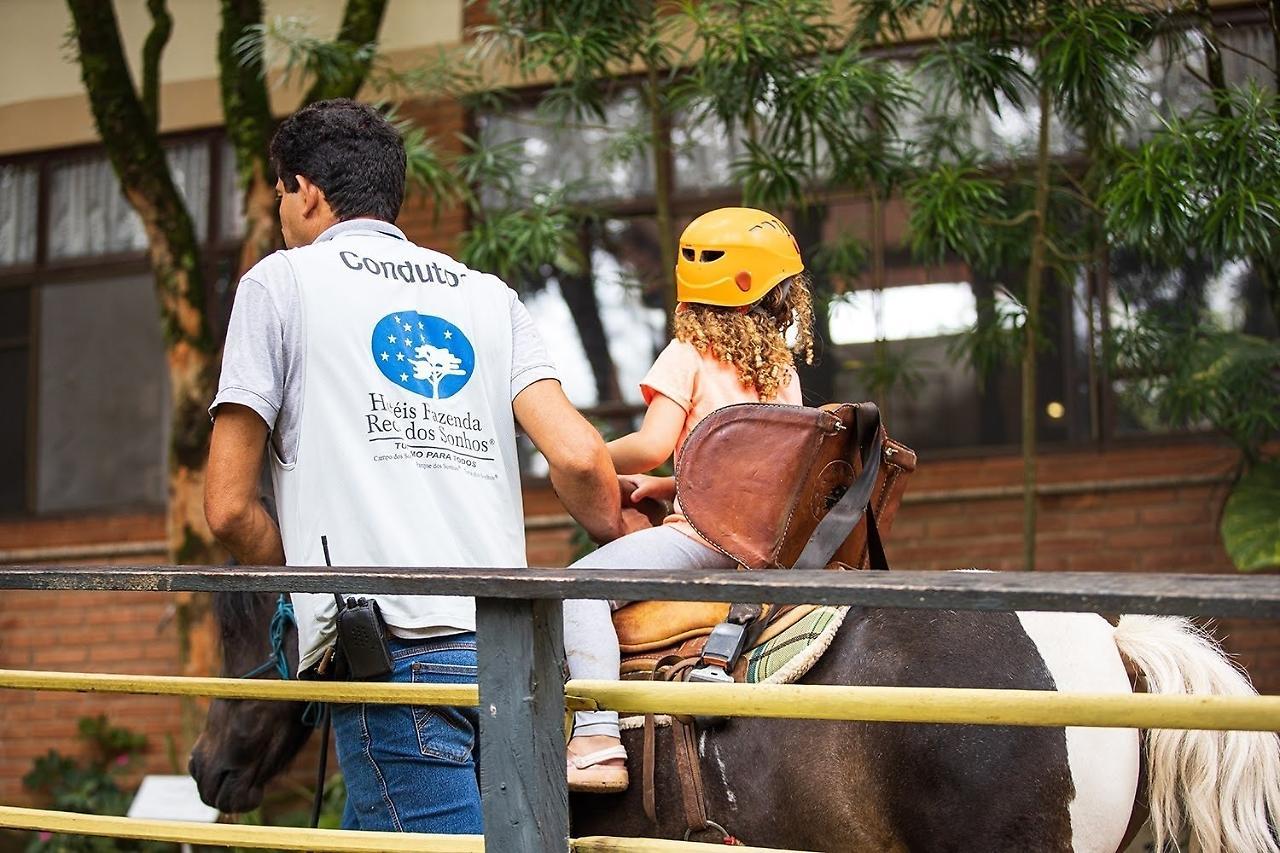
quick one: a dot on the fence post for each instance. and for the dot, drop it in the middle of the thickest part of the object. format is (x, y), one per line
(522, 776)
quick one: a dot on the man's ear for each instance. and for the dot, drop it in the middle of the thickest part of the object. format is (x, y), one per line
(311, 195)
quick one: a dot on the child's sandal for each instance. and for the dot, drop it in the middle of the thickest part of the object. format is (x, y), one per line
(589, 775)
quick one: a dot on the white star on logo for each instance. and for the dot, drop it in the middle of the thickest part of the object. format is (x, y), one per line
(419, 327)
(399, 356)
(422, 338)
(404, 377)
(391, 339)
(407, 327)
(447, 334)
(396, 320)
(385, 356)
(408, 342)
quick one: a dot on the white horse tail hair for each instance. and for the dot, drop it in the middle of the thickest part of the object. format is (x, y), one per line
(1223, 786)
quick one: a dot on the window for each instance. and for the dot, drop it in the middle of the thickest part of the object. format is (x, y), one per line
(19, 185)
(102, 396)
(82, 367)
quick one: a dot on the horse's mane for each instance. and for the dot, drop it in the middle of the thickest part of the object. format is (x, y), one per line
(242, 614)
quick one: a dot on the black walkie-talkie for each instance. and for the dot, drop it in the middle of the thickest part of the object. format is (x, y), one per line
(362, 635)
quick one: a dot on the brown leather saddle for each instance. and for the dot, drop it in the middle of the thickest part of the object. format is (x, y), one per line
(772, 487)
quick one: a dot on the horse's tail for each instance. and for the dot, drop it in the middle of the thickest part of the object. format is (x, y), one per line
(1225, 786)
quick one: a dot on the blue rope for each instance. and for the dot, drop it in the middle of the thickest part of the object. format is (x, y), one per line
(281, 621)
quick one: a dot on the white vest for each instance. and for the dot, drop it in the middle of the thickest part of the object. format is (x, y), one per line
(407, 453)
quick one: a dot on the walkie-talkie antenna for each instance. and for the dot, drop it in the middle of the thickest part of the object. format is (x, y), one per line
(324, 543)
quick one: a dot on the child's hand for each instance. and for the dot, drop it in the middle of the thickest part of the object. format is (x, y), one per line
(640, 486)
(645, 495)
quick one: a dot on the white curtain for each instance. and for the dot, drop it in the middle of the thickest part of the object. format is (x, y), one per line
(89, 215)
(19, 187)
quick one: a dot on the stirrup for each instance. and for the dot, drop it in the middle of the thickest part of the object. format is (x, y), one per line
(589, 775)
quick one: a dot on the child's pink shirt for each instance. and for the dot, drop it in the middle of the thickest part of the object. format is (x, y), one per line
(700, 383)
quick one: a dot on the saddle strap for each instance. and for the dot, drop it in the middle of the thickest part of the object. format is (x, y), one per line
(689, 772)
(840, 520)
(647, 761)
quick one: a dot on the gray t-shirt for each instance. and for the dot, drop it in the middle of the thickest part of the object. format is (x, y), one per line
(262, 362)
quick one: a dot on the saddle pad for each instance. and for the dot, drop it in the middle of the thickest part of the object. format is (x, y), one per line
(782, 660)
(790, 654)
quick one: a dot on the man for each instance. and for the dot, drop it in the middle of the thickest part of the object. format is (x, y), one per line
(388, 380)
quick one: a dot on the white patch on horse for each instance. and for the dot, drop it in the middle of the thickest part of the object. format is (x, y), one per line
(702, 744)
(1080, 654)
(724, 774)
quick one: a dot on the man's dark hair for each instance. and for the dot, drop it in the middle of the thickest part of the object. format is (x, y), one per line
(348, 150)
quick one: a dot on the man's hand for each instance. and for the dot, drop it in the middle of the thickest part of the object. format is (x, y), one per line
(231, 503)
(581, 472)
(645, 499)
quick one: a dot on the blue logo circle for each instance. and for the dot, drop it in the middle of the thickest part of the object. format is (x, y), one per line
(424, 354)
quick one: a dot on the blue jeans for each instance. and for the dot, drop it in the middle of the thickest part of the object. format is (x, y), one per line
(414, 769)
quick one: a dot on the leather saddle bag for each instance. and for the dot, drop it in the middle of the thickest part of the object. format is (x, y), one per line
(756, 479)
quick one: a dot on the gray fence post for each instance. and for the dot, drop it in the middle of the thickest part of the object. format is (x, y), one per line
(522, 775)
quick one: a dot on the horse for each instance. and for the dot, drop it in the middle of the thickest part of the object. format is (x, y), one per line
(852, 786)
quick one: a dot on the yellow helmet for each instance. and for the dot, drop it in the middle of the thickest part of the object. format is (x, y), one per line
(733, 256)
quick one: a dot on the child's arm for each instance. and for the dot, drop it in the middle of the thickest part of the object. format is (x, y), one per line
(654, 442)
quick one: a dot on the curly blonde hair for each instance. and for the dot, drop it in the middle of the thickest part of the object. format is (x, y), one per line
(754, 341)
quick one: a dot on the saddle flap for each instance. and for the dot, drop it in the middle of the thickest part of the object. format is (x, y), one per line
(745, 469)
(755, 479)
(652, 625)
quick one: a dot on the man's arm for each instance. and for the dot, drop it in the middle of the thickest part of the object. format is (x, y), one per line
(581, 471)
(231, 503)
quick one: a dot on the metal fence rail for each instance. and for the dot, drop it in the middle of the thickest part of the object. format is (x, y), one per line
(1247, 596)
(522, 696)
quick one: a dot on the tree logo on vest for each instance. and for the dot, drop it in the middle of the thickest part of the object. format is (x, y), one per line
(424, 354)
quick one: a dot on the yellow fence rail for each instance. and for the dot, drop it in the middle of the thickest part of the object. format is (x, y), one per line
(795, 701)
(295, 838)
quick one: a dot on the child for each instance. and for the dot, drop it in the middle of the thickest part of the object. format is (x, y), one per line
(740, 289)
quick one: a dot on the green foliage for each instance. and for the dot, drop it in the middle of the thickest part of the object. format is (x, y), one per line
(808, 106)
(888, 371)
(89, 786)
(1209, 181)
(302, 55)
(1089, 55)
(976, 73)
(1250, 522)
(1193, 373)
(995, 338)
(517, 241)
(842, 259)
(954, 210)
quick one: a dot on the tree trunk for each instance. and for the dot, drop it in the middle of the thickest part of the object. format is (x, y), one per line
(1030, 335)
(361, 20)
(579, 294)
(1213, 67)
(247, 111)
(129, 134)
(1273, 11)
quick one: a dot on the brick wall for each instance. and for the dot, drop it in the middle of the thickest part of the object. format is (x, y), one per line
(83, 632)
